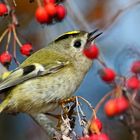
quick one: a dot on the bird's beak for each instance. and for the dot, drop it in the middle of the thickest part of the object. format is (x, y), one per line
(92, 35)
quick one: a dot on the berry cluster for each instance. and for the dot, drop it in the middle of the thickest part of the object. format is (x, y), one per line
(6, 56)
(118, 103)
(116, 106)
(133, 82)
(95, 129)
(10, 34)
(50, 12)
(107, 74)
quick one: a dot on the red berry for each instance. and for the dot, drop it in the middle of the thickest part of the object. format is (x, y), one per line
(60, 12)
(26, 49)
(122, 104)
(5, 58)
(95, 125)
(107, 74)
(116, 106)
(101, 136)
(110, 108)
(50, 9)
(132, 82)
(41, 15)
(135, 68)
(3, 9)
(49, 1)
(91, 52)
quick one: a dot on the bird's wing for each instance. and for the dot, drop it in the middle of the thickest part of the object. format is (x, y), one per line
(22, 74)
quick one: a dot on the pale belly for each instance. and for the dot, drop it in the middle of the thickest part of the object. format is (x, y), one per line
(42, 94)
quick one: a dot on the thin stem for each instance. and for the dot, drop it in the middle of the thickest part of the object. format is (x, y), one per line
(101, 62)
(79, 117)
(14, 53)
(39, 3)
(14, 2)
(88, 103)
(3, 34)
(12, 12)
(81, 111)
(16, 37)
(103, 100)
(8, 40)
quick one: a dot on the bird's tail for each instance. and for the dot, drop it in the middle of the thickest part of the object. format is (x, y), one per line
(3, 105)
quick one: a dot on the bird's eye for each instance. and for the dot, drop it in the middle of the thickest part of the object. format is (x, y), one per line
(77, 43)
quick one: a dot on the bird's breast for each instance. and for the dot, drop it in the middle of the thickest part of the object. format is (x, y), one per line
(36, 94)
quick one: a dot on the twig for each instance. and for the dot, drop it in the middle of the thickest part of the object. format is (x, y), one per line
(16, 37)
(81, 111)
(14, 2)
(77, 104)
(103, 100)
(3, 34)
(100, 60)
(46, 124)
(39, 3)
(8, 40)
(14, 52)
(88, 103)
(12, 12)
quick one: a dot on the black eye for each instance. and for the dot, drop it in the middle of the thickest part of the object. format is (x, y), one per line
(77, 43)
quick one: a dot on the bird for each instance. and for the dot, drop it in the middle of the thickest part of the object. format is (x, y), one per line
(48, 76)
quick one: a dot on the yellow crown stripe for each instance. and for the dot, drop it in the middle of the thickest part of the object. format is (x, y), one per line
(67, 34)
(72, 32)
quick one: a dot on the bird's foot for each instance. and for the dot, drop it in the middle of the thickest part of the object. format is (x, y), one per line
(63, 103)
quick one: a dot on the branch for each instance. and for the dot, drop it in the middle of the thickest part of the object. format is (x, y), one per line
(47, 124)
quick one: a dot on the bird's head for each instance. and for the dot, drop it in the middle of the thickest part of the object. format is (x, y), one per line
(73, 44)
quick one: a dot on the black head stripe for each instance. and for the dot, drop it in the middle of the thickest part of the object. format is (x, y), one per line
(28, 69)
(68, 34)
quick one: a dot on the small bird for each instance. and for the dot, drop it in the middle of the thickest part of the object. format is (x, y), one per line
(48, 76)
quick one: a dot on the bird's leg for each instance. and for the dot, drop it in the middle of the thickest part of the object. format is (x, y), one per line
(66, 110)
(66, 101)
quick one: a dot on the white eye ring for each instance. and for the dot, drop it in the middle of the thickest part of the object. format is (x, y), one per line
(78, 43)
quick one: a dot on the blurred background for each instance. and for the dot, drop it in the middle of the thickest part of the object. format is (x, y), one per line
(119, 45)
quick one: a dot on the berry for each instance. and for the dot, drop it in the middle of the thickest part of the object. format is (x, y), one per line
(116, 106)
(122, 104)
(3, 9)
(135, 68)
(110, 108)
(91, 52)
(107, 74)
(5, 58)
(60, 12)
(26, 49)
(101, 136)
(50, 9)
(132, 82)
(95, 125)
(41, 15)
